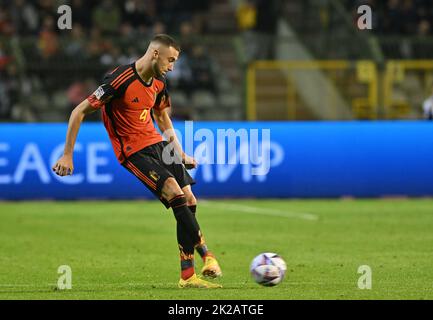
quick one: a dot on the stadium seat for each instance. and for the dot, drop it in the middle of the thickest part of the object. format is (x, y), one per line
(39, 101)
(178, 98)
(203, 100)
(230, 100)
(60, 100)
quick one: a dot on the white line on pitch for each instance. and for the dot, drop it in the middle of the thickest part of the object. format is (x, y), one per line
(261, 211)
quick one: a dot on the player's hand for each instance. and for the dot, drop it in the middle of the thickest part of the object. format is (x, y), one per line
(64, 166)
(189, 162)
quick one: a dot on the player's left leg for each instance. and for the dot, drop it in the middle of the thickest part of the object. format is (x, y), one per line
(188, 234)
(185, 181)
(211, 267)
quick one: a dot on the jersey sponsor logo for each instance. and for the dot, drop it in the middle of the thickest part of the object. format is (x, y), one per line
(99, 93)
(135, 99)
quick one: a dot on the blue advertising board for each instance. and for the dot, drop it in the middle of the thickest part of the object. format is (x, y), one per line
(236, 159)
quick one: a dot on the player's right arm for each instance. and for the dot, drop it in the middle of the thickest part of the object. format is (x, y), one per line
(65, 166)
(112, 86)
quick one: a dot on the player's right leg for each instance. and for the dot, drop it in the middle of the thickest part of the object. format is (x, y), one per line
(188, 235)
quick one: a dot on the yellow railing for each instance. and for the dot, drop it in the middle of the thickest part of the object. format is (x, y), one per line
(401, 72)
(366, 107)
(279, 90)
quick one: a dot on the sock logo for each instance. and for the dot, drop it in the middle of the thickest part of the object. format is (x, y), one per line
(185, 256)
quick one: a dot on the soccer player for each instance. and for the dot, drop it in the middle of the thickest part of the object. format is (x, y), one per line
(127, 96)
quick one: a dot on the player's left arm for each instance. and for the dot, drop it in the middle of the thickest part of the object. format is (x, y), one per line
(164, 123)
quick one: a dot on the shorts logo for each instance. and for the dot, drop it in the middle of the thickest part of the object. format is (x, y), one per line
(99, 93)
(154, 175)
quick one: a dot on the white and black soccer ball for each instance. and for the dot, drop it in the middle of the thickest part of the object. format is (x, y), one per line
(268, 269)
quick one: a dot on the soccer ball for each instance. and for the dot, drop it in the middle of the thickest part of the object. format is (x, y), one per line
(268, 269)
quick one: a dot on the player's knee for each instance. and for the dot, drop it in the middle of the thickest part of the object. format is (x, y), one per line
(190, 199)
(171, 189)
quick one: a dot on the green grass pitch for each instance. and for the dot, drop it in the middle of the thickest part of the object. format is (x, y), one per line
(128, 249)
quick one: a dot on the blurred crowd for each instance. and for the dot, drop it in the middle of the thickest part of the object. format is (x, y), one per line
(104, 34)
(41, 64)
(398, 17)
(257, 22)
(26, 17)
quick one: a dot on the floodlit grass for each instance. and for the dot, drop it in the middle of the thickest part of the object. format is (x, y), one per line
(128, 250)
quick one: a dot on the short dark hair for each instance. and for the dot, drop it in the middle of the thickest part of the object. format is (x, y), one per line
(166, 40)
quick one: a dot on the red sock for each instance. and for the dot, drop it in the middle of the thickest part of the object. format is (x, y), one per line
(187, 273)
(186, 264)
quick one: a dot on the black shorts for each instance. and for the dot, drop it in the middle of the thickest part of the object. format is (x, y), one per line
(148, 166)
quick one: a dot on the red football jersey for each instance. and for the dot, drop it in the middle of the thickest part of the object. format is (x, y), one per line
(126, 102)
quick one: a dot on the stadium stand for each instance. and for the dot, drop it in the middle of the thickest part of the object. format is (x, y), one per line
(45, 72)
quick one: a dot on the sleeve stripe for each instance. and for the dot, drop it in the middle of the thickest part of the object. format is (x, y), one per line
(128, 76)
(121, 75)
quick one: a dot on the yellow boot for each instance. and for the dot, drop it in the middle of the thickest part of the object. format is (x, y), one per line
(196, 282)
(211, 268)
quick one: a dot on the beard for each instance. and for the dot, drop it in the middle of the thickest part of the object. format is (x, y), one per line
(156, 71)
